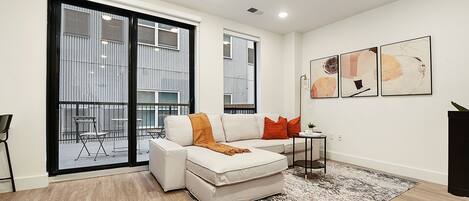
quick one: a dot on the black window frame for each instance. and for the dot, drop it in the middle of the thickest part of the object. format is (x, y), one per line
(53, 67)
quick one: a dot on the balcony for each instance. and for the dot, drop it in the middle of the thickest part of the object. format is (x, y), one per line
(112, 119)
(240, 109)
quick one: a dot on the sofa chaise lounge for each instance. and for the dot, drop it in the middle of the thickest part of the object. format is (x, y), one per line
(209, 175)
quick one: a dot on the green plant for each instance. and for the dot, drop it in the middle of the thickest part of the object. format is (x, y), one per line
(311, 125)
(459, 107)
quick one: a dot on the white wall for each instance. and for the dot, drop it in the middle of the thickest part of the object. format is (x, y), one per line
(23, 89)
(23, 76)
(403, 135)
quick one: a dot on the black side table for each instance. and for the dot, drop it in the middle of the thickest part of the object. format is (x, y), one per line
(310, 164)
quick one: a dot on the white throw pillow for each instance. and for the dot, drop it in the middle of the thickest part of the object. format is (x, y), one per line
(240, 127)
(217, 127)
(179, 129)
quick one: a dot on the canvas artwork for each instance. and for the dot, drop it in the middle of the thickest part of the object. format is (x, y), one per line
(406, 68)
(359, 73)
(324, 74)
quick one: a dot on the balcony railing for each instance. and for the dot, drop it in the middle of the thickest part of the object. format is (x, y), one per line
(112, 118)
(240, 109)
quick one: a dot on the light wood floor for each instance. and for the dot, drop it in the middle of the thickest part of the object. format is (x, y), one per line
(141, 186)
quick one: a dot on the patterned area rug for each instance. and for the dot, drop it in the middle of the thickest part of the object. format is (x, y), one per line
(342, 183)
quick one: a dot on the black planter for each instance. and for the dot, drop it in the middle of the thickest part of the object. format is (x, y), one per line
(458, 154)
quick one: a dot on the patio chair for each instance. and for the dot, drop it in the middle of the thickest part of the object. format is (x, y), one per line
(93, 133)
(5, 121)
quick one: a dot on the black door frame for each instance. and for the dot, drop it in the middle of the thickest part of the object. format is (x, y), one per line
(53, 69)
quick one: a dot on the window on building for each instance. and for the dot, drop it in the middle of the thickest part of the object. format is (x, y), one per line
(227, 46)
(228, 99)
(251, 54)
(155, 34)
(146, 110)
(239, 75)
(166, 110)
(76, 23)
(111, 29)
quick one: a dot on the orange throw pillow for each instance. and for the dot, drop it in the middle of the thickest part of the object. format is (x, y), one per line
(275, 130)
(294, 127)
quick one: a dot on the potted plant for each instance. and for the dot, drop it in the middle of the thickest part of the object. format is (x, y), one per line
(311, 126)
(458, 145)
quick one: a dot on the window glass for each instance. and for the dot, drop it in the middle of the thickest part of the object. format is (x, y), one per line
(226, 46)
(112, 30)
(146, 97)
(167, 97)
(146, 35)
(76, 22)
(167, 38)
(227, 99)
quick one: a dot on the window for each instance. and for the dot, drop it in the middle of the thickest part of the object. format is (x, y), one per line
(162, 35)
(239, 75)
(146, 111)
(168, 36)
(111, 29)
(165, 110)
(228, 99)
(76, 23)
(251, 54)
(227, 46)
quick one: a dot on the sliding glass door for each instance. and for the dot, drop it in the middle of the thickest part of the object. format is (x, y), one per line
(113, 76)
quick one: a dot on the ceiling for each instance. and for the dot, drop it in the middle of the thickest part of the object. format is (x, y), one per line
(304, 15)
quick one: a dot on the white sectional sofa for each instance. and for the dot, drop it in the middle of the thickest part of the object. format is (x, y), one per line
(209, 175)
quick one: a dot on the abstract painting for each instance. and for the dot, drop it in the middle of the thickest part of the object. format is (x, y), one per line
(324, 74)
(359, 73)
(406, 68)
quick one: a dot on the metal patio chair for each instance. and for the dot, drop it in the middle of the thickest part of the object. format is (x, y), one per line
(93, 133)
(5, 121)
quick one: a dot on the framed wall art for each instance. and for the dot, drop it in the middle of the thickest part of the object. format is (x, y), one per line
(359, 73)
(406, 68)
(324, 74)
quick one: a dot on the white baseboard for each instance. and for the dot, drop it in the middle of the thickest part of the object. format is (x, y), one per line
(98, 173)
(398, 169)
(25, 183)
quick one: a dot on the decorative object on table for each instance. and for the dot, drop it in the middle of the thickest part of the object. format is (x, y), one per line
(311, 127)
(5, 121)
(310, 164)
(359, 73)
(324, 76)
(458, 147)
(342, 182)
(406, 68)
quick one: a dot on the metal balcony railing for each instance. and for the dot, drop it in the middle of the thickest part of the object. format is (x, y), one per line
(240, 109)
(112, 118)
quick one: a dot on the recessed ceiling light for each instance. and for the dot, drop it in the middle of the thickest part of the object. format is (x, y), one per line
(106, 17)
(104, 42)
(283, 14)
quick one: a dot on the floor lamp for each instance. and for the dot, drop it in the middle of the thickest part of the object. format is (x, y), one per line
(302, 78)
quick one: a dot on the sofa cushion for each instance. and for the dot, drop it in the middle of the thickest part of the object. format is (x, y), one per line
(294, 126)
(275, 130)
(220, 169)
(179, 129)
(240, 127)
(217, 127)
(277, 146)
